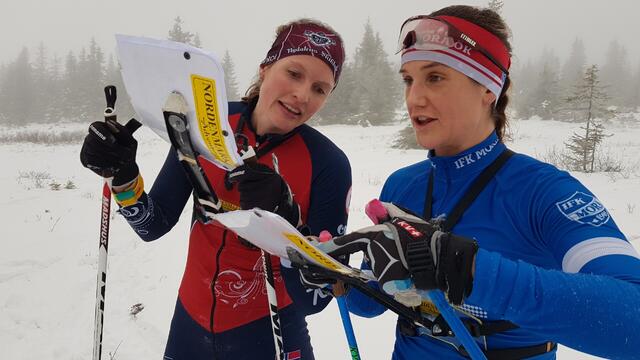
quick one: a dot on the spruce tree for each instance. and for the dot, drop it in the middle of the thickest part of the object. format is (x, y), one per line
(42, 86)
(16, 90)
(343, 101)
(541, 95)
(177, 33)
(376, 84)
(69, 80)
(573, 68)
(526, 73)
(546, 96)
(230, 82)
(616, 74)
(635, 90)
(588, 99)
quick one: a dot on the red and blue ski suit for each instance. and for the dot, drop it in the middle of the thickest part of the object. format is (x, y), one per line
(222, 308)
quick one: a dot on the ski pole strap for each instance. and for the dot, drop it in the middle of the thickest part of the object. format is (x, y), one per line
(131, 195)
(515, 353)
(110, 95)
(439, 328)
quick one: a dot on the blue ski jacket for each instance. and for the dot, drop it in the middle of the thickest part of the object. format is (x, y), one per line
(551, 258)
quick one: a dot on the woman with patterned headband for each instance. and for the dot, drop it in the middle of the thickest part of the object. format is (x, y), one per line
(529, 256)
(222, 310)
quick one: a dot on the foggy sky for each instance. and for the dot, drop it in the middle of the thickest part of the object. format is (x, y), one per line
(246, 28)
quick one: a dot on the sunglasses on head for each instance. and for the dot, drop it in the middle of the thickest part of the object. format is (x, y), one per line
(425, 32)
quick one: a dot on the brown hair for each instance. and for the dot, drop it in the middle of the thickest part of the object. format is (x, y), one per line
(492, 22)
(254, 89)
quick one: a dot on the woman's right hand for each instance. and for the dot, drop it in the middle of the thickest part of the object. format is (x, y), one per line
(109, 150)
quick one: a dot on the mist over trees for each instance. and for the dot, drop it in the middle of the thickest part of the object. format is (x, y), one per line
(540, 86)
(369, 92)
(230, 82)
(40, 86)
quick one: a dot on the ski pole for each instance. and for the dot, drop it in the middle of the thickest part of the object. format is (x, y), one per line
(101, 281)
(271, 285)
(376, 212)
(344, 313)
(348, 328)
(249, 157)
(273, 304)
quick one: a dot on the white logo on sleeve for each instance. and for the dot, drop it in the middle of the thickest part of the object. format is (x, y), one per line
(584, 209)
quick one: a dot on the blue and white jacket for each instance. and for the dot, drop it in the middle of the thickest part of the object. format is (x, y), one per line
(551, 258)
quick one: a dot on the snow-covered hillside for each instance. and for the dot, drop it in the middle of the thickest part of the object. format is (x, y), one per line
(48, 244)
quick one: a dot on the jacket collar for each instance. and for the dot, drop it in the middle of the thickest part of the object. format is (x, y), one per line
(469, 162)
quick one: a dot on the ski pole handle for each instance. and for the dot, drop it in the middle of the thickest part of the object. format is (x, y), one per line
(110, 95)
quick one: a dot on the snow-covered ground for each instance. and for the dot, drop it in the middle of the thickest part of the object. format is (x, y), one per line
(48, 245)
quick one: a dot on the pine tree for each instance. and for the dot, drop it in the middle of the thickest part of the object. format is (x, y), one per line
(616, 74)
(16, 90)
(178, 34)
(523, 74)
(376, 84)
(542, 98)
(230, 81)
(635, 89)
(69, 80)
(546, 96)
(90, 82)
(589, 98)
(573, 68)
(496, 5)
(196, 40)
(55, 111)
(342, 102)
(42, 85)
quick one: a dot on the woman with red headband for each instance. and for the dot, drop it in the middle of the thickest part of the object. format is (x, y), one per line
(527, 254)
(222, 309)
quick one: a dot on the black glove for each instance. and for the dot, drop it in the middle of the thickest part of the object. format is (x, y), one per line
(110, 150)
(260, 186)
(408, 253)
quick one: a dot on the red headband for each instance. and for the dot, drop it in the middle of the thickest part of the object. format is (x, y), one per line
(459, 44)
(489, 41)
(308, 39)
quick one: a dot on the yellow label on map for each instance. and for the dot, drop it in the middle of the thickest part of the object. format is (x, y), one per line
(314, 253)
(209, 123)
(228, 206)
(429, 308)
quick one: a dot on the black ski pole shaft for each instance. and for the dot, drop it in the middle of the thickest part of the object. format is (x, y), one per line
(103, 245)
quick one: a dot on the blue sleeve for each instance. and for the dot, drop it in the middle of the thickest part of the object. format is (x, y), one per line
(594, 313)
(328, 210)
(158, 211)
(591, 301)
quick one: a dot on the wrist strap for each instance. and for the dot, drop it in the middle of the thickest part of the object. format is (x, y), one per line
(132, 194)
(420, 264)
